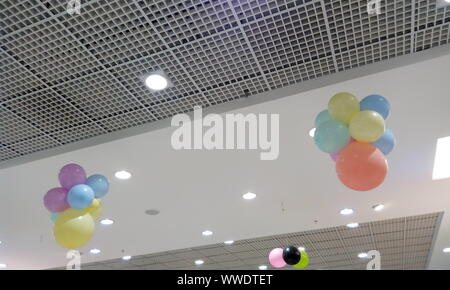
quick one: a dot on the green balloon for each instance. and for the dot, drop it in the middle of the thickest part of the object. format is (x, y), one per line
(304, 261)
(323, 117)
(331, 136)
(54, 216)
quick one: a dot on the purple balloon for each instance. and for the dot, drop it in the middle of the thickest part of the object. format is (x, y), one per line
(334, 156)
(55, 200)
(71, 175)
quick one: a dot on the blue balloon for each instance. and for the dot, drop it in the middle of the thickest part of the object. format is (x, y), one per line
(322, 118)
(80, 196)
(54, 216)
(331, 136)
(386, 143)
(99, 184)
(376, 103)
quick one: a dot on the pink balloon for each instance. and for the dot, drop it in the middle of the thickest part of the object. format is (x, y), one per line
(71, 175)
(55, 200)
(276, 258)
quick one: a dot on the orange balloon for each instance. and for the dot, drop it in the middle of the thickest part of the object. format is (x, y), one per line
(361, 166)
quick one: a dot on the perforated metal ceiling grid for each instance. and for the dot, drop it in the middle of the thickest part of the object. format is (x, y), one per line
(404, 243)
(65, 78)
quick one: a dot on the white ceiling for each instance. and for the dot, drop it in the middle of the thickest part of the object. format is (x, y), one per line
(198, 190)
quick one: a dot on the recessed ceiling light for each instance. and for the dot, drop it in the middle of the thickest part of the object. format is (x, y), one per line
(156, 82)
(122, 174)
(230, 242)
(262, 267)
(446, 250)
(378, 207)
(2, 265)
(199, 262)
(95, 251)
(441, 167)
(249, 195)
(363, 255)
(301, 249)
(312, 132)
(347, 211)
(207, 233)
(106, 222)
(352, 225)
(126, 258)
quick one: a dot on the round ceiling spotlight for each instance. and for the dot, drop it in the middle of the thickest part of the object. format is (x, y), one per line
(347, 211)
(126, 258)
(199, 262)
(230, 242)
(95, 251)
(249, 196)
(363, 255)
(207, 233)
(123, 175)
(106, 222)
(2, 265)
(156, 82)
(301, 249)
(352, 225)
(446, 250)
(262, 267)
(378, 207)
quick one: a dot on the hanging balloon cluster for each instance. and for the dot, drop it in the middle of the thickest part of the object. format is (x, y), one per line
(354, 135)
(291, 255)
(75, 206)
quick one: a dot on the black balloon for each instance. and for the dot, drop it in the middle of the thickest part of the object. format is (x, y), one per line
(291, 255)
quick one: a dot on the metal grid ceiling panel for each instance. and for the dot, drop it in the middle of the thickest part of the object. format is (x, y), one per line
(180, 22)
(351, 26)
(220, 60)
(404, 243)
(57, 69)
(375, 52)
(111, 98)
(113, 31)
(15, 15)
(290, 38)
(50, 53)
(16, 80)
(131, 74)
(35, 109)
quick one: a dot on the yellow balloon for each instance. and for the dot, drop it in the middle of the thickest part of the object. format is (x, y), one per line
(343, 106)
(95, 209)
(72, 230)
(367, 126)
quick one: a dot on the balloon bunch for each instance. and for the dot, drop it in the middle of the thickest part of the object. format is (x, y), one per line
(354, 135)
(75, 206)
(291, 255)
